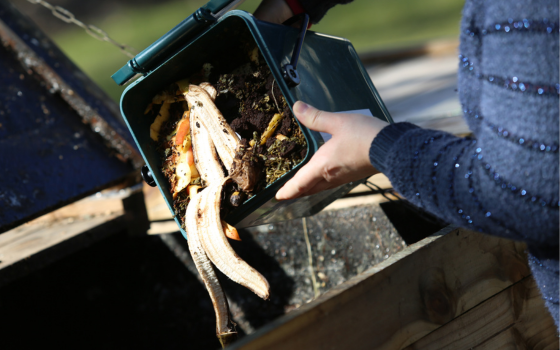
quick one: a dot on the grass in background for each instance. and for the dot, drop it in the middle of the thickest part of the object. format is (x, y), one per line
(369, 24)
(380, 24)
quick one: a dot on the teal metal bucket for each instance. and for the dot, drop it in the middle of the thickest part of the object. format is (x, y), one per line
(332, 79)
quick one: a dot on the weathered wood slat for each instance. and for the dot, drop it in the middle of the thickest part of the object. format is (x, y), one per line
(27, 240)
(44, 240)
(515, 318)
(40, 246)
(399, 301)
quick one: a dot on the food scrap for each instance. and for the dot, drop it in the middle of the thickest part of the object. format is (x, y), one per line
(223, 136)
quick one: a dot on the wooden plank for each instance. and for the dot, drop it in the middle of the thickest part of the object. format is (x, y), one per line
(515, 318)
(64, 223)
(32, 247)
(510, 339)
(106, 202)
(163, 227)
(378, 179)
(48, 238)
(399, 301)
(87, 207)
(155, 204)
(27, 240)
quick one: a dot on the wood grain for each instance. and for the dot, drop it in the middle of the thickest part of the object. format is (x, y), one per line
(515, 318)
(399, 301)
(27, 240)
(36, 247)
(48, 238)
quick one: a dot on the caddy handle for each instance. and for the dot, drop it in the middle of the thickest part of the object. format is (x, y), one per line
(289, 71)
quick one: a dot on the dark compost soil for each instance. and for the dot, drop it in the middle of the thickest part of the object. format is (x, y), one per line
(249, 98)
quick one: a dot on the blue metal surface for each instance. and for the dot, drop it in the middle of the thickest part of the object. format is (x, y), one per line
(55, 59)
(49, 156)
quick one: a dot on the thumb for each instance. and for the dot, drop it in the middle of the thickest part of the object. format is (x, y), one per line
(315, 119)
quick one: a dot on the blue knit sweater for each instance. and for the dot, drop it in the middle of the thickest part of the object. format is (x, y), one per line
(505, 180)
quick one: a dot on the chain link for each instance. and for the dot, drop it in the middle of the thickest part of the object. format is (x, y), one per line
(99, 34)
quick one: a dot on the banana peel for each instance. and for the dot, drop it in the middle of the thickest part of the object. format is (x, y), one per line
(213, 141)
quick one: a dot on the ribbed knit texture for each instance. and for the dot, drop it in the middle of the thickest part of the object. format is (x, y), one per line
(505, 181)
(384, 141)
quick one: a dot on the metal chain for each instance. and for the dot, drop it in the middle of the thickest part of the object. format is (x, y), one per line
(99, 34)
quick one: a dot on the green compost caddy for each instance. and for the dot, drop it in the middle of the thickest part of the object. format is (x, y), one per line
(329, 76)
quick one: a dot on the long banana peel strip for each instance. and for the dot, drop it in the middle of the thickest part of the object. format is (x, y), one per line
(205, 269)
(211, 136)
(205, 157)
(223, 136)
(217, 247)
(210, 89)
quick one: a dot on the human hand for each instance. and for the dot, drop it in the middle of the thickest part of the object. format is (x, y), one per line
(342, 159)
(274, 11)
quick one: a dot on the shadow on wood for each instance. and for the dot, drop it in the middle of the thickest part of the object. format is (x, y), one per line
(415, 292)
(515, 318)
(418, 225)
(121, 293)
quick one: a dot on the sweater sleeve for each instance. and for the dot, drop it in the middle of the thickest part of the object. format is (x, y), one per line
(316, 9)
(447, 176)
(505, 180)
(450, 177)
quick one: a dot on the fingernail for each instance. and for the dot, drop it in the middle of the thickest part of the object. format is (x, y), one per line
(300, 107)
(279, 196)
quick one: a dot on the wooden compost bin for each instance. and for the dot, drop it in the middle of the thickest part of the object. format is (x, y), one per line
(456, 289)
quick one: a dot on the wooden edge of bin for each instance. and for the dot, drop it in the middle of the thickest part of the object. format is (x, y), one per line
(401, 300)
(515, 318)
(49, 238)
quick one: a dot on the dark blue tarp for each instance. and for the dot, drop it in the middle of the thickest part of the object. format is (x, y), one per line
(48, 155)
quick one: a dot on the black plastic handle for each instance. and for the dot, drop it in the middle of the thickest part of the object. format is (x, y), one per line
(289, 71)
(148, 176)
